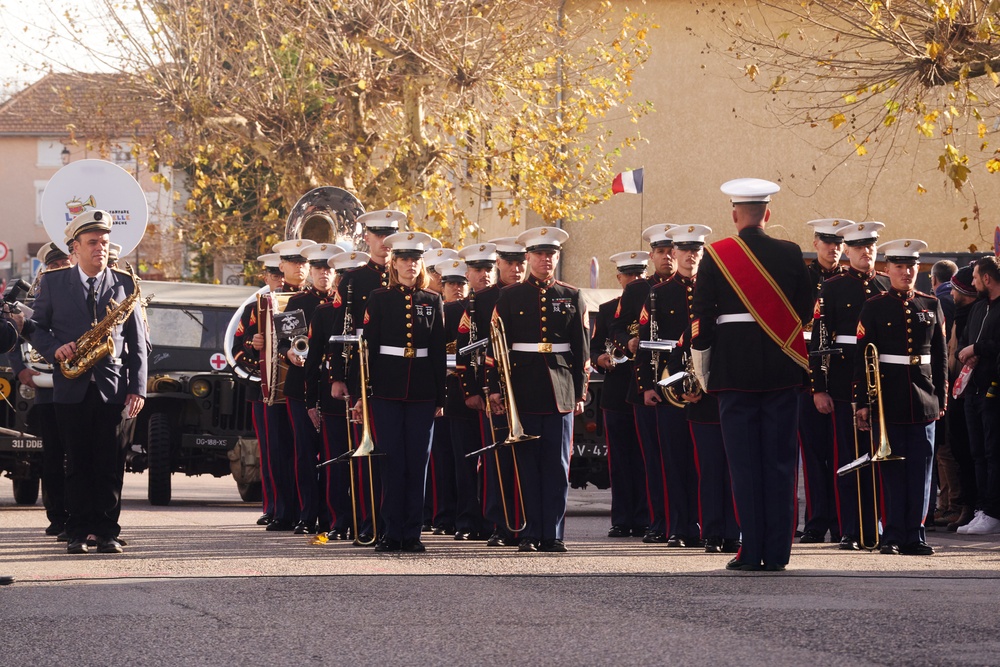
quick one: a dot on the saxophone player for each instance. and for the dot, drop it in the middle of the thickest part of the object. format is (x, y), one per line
(69, 303)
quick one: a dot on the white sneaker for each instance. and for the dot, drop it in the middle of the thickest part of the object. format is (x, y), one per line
(988, 526)
(977, 517)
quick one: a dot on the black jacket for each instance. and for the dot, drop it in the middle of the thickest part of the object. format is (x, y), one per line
(616, 380)
(983, 331)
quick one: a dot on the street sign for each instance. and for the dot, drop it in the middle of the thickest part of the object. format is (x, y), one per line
(4, 251)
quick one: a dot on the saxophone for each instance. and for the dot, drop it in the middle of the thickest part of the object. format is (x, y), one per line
(92, 346)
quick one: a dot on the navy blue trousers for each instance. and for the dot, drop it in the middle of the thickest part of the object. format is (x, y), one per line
(677, 449)
(266, 478)
(906, 484)
(543, 466)
(847, 485)
(715, 491)
(759, 430)
(656, 476)
(368, 485)
(439, 498)
(467, 512)
(335, 478)
(402, 431)
(629, 504)
(308, 446)
(817, 443)
(281, 456)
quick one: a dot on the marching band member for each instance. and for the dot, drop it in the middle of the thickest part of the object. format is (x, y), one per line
(470, 524)
(42, 420)
(304, 417)
(69, 303)
(281, 450)
(432, 257)
(752, 299)
(359, 283)
(332, 412)
(816, 440)
(907, 329)
(831, 377)
(444, 467)
(248, 357)
(404, 329)
(546, 332)
(624, 329)
(629, 505)
(672, 315)
(476, 319)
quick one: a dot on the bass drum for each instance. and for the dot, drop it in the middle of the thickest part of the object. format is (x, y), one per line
(227, 345)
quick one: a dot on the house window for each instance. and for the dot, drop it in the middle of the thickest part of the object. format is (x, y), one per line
(39, 189)
(50, 153)
(121, 154)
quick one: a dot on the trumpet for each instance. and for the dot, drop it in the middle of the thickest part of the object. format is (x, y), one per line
(300, 344)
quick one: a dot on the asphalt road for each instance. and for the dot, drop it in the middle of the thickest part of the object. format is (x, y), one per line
(199, 584)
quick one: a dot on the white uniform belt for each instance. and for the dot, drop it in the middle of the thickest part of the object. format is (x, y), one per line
(452, 360)
(734, 317)
(408, 352)
(540, 347)
(904, 359)
(853, 340)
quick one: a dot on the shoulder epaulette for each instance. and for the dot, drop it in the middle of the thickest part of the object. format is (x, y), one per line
(60, 268)
(575, 289)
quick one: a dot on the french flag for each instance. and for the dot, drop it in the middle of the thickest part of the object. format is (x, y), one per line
(628, 181)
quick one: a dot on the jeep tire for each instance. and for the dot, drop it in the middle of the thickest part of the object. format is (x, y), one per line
(26, 491)
(158, 453)
(250, 492)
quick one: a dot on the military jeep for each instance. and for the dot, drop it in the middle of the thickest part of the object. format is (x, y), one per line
(20, 447)
(196, 419)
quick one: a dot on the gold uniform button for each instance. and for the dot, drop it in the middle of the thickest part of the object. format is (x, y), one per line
(543, 318)
(544, 329)
(908, 329)
(868, 291)
(409, 325)
(544, 339)
(408, 306)
(543, 310)
(541, 291)
(409, 335)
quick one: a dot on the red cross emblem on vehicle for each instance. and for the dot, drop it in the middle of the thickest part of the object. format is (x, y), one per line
(218, 361)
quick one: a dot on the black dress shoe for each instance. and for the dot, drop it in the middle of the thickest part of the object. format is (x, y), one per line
(263, 519)
(387, 545)
(620, 531)
(364, 539)
(303, 528)
(639, 531)
(339, 534)
(413, 546)
(713, 545)
(693, 543)
(527, 546)
(731, 546)
(463, 536)
(552, 546)
(121, 541)
(441, 530)
(773, 567)
(889, 549)
(278, 526)
(834, 537)
(6, 580)
(811, 537)
(848, 543)
(77, 546)
(676, 541)
(496, 540)
(738, 565)
(91, 540)
(62, 537)
(917, 549)
(54, 529)
(654, 538)
(426, 528)
(108, 546)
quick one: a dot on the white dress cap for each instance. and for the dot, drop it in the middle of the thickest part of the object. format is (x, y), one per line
(292, 249)
(903, 251)
(50, 252)
(508, 245)
(861, 233)
(408, 243)
(452, 270)
(436, 255)
(387, 221)
(114, 251)
(658, 235)
(689, 234)
(749, 190)
(630, 261)
(480, 253)
(828, 229)
(349, 259)
(89, 221)
(543, 238)
(320, 253)
(271, 260)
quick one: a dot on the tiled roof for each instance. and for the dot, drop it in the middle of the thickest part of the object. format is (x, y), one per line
(92, 105)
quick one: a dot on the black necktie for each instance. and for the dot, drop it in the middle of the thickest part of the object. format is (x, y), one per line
(91, 298)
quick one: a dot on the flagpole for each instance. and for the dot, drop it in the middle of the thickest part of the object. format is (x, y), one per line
(641, 227)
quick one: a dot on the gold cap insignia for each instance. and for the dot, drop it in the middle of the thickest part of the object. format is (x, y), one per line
(354, 255)
(690, 229)
(906, 245)
(632, 256)
(454, 264)
(861, 228)
(409, 237)
(482, 248)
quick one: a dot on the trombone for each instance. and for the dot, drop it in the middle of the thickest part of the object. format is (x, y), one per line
(501, 354)
(365, 448)
(880, 454)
